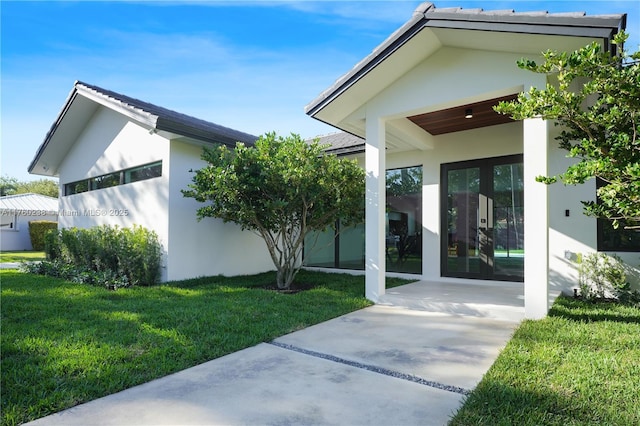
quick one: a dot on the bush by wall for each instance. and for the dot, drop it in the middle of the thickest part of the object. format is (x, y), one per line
(603, 276)
(105, 255)
(38, 230)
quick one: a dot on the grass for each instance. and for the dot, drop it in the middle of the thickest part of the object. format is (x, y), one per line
(578, 366)
(21, 256)
(65, 343)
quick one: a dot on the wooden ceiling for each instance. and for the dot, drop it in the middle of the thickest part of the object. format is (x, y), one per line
(453, 119)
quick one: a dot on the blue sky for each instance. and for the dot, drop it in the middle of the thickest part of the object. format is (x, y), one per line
(252, 66)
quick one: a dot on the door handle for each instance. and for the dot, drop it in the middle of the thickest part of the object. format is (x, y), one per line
(485, 212)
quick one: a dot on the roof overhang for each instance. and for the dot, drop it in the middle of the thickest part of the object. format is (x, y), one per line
(431, 29)
(83, 102)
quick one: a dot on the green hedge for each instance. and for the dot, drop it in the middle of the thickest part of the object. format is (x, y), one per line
(38, 230)
(130, 256)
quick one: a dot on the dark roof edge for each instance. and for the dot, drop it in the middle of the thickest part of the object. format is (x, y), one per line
(223, 135)
(546, 19)
(54, 127)
(357, 149)
(378, 55)
(581, 26)
(158, 118)
(176, 122)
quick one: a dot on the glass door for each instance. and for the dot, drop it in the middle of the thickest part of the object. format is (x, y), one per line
(482, 211)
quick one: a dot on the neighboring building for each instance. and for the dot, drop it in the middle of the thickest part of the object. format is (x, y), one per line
(451, 189)
(16, 211)
(122, 161)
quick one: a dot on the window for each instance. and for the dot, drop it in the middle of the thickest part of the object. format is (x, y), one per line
(105, 181)
(134, 174)
(76, 187)
(8, 221)
(403, 249)
(143, 172)
(621, 239)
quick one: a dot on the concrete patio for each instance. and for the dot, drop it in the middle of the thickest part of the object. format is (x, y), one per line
(409, 360)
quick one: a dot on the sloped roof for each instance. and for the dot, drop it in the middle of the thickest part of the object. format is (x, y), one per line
(29, 203)
(175, 122)
(426, 15)
(341, 143)
(83, 97)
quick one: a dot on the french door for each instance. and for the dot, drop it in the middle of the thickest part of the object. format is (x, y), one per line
(482, 215)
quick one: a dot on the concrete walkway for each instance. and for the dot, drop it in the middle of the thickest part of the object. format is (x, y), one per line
(406, 361)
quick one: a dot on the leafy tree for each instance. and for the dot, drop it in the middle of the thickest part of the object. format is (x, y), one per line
(281, 189)
(595, 97)
(12, 186)
(41, 186)
(8, 185)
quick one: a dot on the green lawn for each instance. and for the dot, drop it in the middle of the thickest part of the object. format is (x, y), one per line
(21, 256)
(578, 366)
(65, 343)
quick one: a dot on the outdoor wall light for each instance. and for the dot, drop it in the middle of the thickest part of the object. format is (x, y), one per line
(468, 113)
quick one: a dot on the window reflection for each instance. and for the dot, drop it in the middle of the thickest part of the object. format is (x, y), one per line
(403, 248)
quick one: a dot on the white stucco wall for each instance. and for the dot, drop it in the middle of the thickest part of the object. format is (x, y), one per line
(18, 237)
(207, 247)
(450, 77)
(111, 143)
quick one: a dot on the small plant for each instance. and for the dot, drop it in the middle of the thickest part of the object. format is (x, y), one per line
(603, 276)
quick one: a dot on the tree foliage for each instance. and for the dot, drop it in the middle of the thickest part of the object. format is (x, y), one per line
(282, 189)
(8, 185)
(595, 97)
(12, 186)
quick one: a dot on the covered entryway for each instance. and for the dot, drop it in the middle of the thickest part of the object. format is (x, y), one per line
(424, 97)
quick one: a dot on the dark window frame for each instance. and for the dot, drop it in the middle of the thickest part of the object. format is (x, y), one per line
(94, 183)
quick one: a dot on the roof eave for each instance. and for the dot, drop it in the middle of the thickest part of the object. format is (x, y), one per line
(379, 54)
(602, 27)
(223, 136)
(43, 146)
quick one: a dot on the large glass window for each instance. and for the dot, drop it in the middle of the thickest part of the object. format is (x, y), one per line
(404, 220)
(351, 248)
(320, 249)
(403, 249)
(134, 174)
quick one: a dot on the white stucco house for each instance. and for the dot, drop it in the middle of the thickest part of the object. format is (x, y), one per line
(16, 211)
(451, 190)
(419, 107)
(122, 161)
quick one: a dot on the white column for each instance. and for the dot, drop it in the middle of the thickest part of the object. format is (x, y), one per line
(536, 219)
(375, 209)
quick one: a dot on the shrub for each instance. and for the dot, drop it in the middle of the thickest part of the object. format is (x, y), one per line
(38, 230)
(105, 255)
(603, 276)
